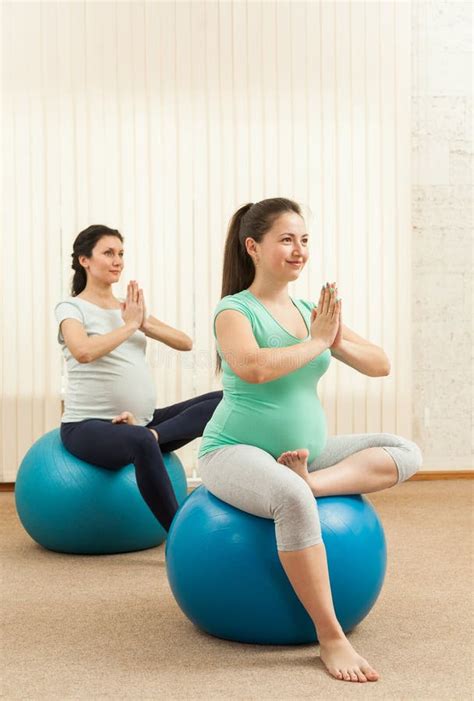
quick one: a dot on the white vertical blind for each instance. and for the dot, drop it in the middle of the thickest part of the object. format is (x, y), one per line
(161, 119)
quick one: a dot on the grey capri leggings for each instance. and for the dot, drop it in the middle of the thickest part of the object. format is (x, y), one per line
(252, 480)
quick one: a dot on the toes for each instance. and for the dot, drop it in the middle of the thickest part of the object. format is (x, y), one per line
(370, 673)
(346, 676)
(353, 676)
(336, 673)
(360, 675)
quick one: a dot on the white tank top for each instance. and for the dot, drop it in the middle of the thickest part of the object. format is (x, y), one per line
(119, 381)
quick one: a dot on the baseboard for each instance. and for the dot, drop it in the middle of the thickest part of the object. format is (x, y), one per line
(442, 475)
(194, 482)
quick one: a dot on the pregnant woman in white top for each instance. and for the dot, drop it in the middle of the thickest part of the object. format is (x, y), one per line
(110, 418)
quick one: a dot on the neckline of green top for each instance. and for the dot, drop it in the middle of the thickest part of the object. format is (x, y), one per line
(276, 320)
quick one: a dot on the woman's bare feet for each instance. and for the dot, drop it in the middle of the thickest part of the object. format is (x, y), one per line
(296, 460)
(126, 417)
(344, 663)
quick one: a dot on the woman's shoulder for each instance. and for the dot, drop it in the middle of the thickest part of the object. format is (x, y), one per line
(67, 304)
(240, 301)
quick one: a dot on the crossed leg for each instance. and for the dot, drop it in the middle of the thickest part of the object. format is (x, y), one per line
(357, 463)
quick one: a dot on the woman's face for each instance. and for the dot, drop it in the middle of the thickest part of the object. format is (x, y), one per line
(283, 251)
(106, 262)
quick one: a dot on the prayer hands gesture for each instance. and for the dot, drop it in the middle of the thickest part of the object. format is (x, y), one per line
(133, 309)
(326, 321)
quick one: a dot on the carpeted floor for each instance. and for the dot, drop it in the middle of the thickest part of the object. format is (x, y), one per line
(89, 627)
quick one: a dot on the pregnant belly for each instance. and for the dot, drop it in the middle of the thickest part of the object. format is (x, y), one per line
(111, 392)
(136, 396)
(293, 426)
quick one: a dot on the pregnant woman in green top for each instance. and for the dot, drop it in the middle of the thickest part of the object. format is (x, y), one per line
(265, 449)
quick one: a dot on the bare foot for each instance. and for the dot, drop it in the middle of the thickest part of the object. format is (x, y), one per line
(155, 433)
(126, 417)
(344, 663)
(296, 460)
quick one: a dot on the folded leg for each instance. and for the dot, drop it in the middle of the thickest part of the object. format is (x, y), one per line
(405, 453)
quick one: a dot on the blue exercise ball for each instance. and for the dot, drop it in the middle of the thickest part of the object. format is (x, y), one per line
(225, 573)
(68, 505)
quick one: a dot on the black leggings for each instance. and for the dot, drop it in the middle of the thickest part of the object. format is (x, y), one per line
(112, 446)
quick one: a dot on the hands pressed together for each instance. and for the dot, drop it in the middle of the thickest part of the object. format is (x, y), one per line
(326, 320)
(134, 309)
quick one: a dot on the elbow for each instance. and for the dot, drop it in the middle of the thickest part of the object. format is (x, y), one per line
(258, 373)
(83, 357)
(384, 371)
(255, 376)
(384, 367)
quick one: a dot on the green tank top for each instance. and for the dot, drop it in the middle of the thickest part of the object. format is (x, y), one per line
(284, 414)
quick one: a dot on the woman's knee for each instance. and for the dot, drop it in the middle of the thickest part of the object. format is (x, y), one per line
(143, 441)
(295, 513)
(407, 455)
(415, 454)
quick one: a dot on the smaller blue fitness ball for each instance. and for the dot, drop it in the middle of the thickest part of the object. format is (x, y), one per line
(225, 573)
(68, 505)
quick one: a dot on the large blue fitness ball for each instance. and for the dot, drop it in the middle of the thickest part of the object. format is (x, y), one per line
(70, 506)
(225, 573)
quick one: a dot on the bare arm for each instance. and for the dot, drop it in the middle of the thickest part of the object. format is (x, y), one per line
(86, 349)
(159, 331)
(360, 354)
(252, 363)
(257, 365)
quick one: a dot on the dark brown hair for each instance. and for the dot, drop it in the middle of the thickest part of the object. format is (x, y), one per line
(252, 220)
(83, 246)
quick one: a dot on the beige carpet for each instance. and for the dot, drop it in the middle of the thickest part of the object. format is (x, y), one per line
(108, 627)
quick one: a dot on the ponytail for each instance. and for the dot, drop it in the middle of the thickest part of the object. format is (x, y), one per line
(238, 271)
(79, 279)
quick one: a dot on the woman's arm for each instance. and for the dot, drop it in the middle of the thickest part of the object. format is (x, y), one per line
(86, 349)
(360, 354)
(159, 331)
(252, 363)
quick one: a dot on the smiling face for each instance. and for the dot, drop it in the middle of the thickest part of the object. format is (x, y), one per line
(283, 251)
(106, 262)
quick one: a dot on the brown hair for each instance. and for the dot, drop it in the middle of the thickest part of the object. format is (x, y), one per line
(83, 246)
(252, 220)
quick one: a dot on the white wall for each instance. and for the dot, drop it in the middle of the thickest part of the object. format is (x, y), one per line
(160, 119)
(442, 60)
